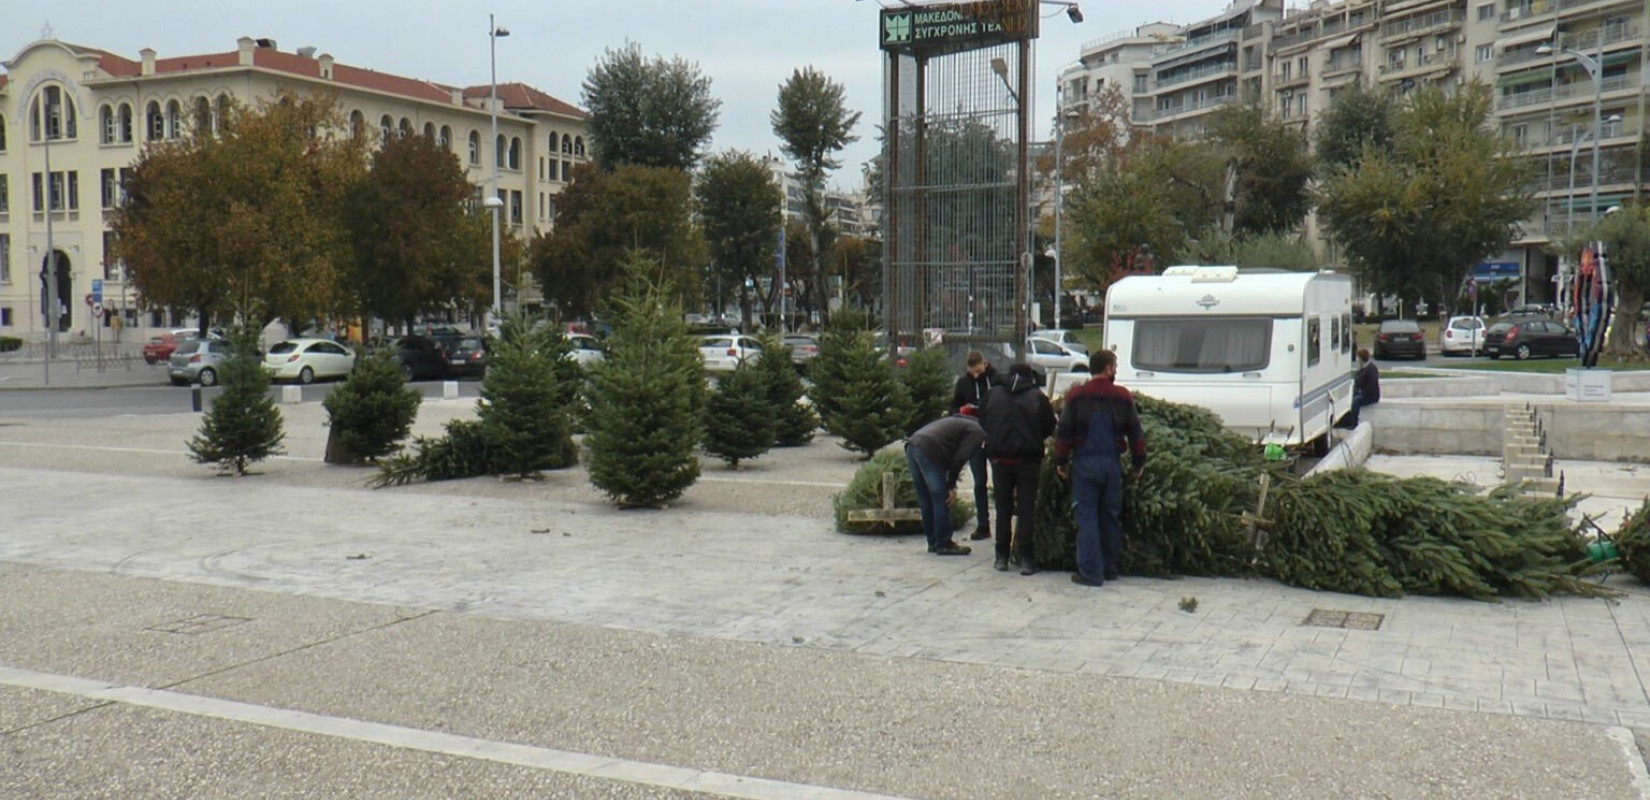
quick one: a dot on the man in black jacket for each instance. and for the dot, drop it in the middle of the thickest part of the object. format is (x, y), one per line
(1018, 420)
(972, 388)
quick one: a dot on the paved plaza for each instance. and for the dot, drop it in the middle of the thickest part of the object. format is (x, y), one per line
(174, 634)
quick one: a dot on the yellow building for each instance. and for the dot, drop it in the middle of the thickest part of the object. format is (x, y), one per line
(74, 119)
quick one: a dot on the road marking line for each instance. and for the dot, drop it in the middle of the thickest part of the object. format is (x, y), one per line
(721, 784)
(143, 450)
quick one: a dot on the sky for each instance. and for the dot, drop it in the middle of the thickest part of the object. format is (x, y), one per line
(746, 47)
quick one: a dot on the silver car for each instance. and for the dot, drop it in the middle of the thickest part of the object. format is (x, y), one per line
(198, 361)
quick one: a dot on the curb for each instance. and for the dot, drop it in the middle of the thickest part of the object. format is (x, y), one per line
(1635, 759)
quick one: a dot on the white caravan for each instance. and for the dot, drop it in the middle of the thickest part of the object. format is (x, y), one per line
(1269, 351)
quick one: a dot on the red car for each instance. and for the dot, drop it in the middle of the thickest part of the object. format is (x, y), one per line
(159, 348)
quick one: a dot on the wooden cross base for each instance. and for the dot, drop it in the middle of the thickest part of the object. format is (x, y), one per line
(888, 514)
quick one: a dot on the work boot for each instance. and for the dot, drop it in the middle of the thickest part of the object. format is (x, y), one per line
(1028, 567)
(980, 532)
(1001, 564)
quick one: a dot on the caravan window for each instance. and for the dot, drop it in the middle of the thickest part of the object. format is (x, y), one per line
(1202, 345)
(1314, 341)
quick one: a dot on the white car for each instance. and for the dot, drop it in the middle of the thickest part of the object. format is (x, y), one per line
(1062, 336)
(1047, 355)
(724, 352)
(586, 350)
(304, 360)
(1462, 335)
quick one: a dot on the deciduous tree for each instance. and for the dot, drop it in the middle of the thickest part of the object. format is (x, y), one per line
(740, 210)
(649, 112)
(813, 124)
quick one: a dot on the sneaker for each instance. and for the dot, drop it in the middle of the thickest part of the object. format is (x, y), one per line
(1029, 568)
(1001, 564)
(1077, 578)
(952, 549)
(980, 532)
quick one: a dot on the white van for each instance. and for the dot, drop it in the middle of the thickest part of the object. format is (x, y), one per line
(1269, 351)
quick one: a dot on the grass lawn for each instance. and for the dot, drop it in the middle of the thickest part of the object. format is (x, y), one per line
(1398, 373)
(1544, 365)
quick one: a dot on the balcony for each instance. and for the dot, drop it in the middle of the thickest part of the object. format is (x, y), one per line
(1162, 114)
(1442, 19)
(1433, 61)
(1291, 81)
(1586, 43)
(1196, 73)
(1526, 11)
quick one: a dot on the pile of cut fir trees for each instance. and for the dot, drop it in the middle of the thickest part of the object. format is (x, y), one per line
(1194, 512)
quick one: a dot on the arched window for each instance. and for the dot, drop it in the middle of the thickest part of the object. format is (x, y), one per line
(174, 119)
(498, 150)
(445, 138)
(578, 147)
(155, 122)
(386, 127)
(515, 152)
(566, 143)
(406, 128)
(203, 116)
(429, 131)
(125, 129)
(106, 124)
(52, 115)
(357, 124)
(475, 147)
(553, 140)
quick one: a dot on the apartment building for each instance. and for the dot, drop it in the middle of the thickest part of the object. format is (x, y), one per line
(74, 119)
(1123, 61)
(850, 212)
(1187, 81)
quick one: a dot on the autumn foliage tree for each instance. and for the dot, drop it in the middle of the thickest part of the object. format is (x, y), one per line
(247, 221)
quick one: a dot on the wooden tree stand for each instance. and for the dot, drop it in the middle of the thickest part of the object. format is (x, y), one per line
(888, 514)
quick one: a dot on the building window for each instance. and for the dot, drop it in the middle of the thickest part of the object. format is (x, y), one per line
(2, 133)
(475, 147)
(125, 128)
(1486, 12)
(65, 191)
(111, 188)
(515, 208)
(5, 317)
(174, 119)
(566, 171)
(515, 152)
(429, 131)
(203, 116)
(5, 260)
(405, 129)
(566, 144)
(578, 147)
(445, 137)
(223, 113)
(541, 168)
(51, 115)
(498, 151)
(1521, 135)
(357, 125)
(106, 124)
(553, 140)
(1486, 52)
(386, 127)
(541, 205)
(1300, 105)
(5, 195)
(154, 122)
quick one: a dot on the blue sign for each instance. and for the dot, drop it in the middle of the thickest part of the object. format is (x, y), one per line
(97, 290)
(1490, 271)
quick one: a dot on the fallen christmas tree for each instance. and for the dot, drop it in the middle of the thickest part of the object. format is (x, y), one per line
(1193, 512)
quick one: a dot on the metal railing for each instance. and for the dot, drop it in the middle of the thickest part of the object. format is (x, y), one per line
(1196, 73)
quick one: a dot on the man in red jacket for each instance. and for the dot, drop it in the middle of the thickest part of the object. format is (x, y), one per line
(1099, 420)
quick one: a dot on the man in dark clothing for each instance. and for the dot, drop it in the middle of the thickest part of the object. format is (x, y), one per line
(1098, 416)
(1366, 388)
(973, 386)
(936, 454)
(1018, 420)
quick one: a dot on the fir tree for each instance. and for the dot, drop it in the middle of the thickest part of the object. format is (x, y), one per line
(794, 421)
(523, 412)
(739, 421)
(370, 413)
(928, 383)
(647, 399)
(870, 408)
(244, 425)
(829, 370)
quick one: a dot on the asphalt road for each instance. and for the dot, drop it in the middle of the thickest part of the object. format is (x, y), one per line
(86, 403)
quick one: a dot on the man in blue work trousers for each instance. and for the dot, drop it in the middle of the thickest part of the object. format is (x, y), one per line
(1098, 421)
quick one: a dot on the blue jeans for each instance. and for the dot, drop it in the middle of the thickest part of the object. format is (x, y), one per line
(982, 493)
(1097, 489)
(932, 493)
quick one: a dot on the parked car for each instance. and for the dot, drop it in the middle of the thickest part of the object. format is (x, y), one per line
(197, 361)
(1462, 335)
(1527, 336)
(1064, 337)
(419, 357)
(466, 358)
(587, 349)
(305, 360)
(804, 347)
(160, 348)
(725, 352)
(1046, 354)
(1400, 337)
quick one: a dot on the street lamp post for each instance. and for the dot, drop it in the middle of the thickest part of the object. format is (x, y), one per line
(493, 202)
(1059, 193)
(1595, 69)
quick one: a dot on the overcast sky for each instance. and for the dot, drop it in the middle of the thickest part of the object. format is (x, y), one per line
(747, 47)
